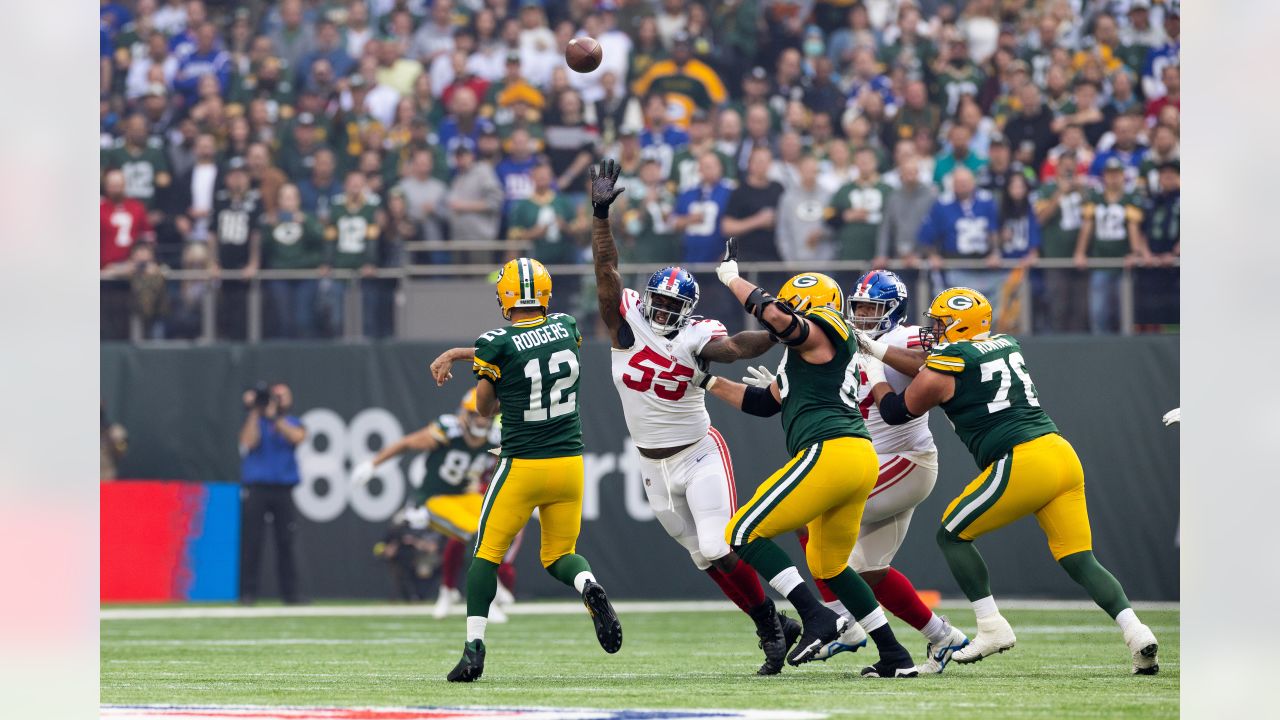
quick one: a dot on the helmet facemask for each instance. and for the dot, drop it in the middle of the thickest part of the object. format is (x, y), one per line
(667, 312)
(876, 322)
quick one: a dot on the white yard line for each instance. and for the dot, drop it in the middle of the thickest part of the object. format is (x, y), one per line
(196, 612)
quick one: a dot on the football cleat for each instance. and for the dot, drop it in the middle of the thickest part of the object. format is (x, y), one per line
(817, 632)
(937, 655)
(995, 635)
(1142, 643)
(445, 602)
(850, 641)
(777, 634)
(471, 666)
(897, 666)
(608, 629)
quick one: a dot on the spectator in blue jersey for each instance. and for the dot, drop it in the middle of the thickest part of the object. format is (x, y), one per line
(867, 75)
(318, 188)
(268, 473)
(660, 139)
(964, 225)
(1160, 57)
(1126, 147)
(514, 171)
(206, 59)
(183, 43)
(329, 46)
(1019, 229)
(113, 16)
(462, 126)
(699, 211)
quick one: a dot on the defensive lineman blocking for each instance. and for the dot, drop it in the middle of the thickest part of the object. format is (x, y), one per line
(981, 381)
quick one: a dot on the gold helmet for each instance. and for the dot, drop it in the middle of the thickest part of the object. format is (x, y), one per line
(810, 290)
(523, 283)
(960, 313)
(469, 401)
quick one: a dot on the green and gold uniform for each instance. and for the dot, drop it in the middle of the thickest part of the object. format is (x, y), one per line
(1111, 223)
(684, 169)
(144, 169)
(353, 234)
(533, 366)
(857, 240)
(296, 243)
(833, 466)
(1029, 468)
(549, 210)
(1063, 227)
(447, 489)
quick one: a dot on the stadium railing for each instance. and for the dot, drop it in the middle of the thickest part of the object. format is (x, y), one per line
(924, 281)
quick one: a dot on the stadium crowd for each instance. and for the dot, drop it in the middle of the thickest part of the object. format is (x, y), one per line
(322, 135)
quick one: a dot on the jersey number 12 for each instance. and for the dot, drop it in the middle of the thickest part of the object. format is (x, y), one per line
(558, 400)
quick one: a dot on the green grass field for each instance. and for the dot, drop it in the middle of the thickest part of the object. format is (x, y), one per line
(1068, 664)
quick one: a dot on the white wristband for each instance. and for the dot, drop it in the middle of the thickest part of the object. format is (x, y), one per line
(711, 382)
(875, 348)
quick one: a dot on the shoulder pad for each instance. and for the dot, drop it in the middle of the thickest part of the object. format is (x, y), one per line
(949, 359)
(490, 337)
(830, 319)
(710, 327)
(630, 299)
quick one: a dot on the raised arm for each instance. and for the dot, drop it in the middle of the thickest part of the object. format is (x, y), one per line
(603, 249)
(780, 319)
(742, 346)
(440, 367)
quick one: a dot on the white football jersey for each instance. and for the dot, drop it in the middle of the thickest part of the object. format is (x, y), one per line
(662, 407)
(910, 437)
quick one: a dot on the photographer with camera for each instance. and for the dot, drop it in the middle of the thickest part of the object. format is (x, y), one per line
(268, 474)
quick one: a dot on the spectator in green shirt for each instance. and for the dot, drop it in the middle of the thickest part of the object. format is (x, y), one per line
(857, 209)
(351, 243)
(291, 240)
(546, 218)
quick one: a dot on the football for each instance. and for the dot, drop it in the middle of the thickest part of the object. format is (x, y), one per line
(583, 54)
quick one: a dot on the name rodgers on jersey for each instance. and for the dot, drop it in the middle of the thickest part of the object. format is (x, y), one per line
(540, 336)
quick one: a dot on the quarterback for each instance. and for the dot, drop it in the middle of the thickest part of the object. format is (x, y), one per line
(529, 371)
(981, 382)
(833, 467)
(658, 347)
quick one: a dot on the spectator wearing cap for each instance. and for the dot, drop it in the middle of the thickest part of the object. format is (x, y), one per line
(328, 47)
(298, 157)
(956, 75)
(1112, 228)
(293, 38)
(233, 238)
(379, 100)
(351, 243)
(475, 198)
(1033, 122)
(963, 224)
(683, 79)
(320, 186)
(1164, 149)
(1157, 287)
(292, 239)
(138, 81)
(547, 219)
(424, 194)
(801, 234)
(1059, 207)
(856, 211)
(684, 166)
(1125, 148)
(511, 100)
(751, 213)
(957, 155)
(434, 38)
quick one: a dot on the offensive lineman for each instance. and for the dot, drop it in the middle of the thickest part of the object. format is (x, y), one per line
(528, 371)
(833, 467)
(658, 346)
(457, 448)
(981, 381)
(908, 470)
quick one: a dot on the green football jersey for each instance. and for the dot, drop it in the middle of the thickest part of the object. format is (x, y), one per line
(451, 467)
(142, 169)
(995, 405)
(293, 244)
(819, 402)
(857, 240)
(353, 234)
(550, 210)
(533, 364)
(1110, 220)
(684, 169)
(1063, 227)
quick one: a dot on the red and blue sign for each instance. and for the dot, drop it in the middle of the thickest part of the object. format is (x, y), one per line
(169, 541)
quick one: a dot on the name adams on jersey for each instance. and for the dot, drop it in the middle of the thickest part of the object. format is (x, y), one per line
(995, 405)
(452, 466)
(811, 413)
(533, 365)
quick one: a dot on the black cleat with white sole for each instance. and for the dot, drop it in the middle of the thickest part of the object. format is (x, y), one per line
(818, 630)
(608, 628)
(777, 634)
(471, 666)
(896, 665)
(1148, 653)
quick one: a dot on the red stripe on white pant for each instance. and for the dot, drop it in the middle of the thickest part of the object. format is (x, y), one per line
(891, 474)
(727, 462)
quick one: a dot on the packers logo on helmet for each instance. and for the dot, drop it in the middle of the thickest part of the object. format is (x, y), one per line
(811, 290)
(960, 313)
(523, 282)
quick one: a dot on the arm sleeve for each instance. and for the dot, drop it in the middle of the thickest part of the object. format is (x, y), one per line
(944, 362)
(488, 361)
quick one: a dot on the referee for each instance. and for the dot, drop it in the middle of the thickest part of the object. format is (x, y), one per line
(268, 474)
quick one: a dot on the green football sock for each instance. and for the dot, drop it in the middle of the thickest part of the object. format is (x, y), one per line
(482, 586)
(854, 592)
(567, 568)
(1103, 587)
(765, 556)
(967, 565)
